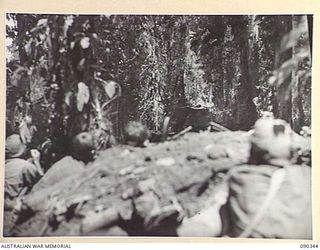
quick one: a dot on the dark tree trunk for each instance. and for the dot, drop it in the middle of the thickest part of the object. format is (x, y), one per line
(248, 78)
(310, 30)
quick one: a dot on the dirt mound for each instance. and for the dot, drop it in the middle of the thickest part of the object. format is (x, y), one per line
(151, 188)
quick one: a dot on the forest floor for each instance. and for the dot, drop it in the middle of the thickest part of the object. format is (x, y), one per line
(152, 187)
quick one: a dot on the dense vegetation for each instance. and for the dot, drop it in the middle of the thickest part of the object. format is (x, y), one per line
(71, 73)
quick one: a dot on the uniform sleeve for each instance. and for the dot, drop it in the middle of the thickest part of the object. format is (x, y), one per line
(30, 175)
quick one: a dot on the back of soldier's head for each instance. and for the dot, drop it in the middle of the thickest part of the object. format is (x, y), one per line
(82, 147)
(271, 141)
(135, 133)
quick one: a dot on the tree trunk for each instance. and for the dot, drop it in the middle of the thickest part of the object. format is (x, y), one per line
(247, 70)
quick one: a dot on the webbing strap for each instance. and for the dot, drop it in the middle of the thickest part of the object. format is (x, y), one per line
(275, 183)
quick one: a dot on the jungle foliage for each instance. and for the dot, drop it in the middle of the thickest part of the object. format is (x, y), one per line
(71, 73)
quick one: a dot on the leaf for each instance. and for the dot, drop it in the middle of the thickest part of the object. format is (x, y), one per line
(17, 74)
(28, 48)
(67, 98)
(43, 21)
(41, 24)
(272, 80)
(85, 42)
(80, 65)
(110, 88)
(72, 44)
(83, 95)
(67, 23)
(69, 20)
(42, 37)
(26, 132)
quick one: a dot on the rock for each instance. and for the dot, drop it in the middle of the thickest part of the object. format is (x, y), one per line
(147, 158)
(126, 170)
(165, 162)
(94, 221)
(146, 185)
(146, 204)
(191, 157)
(217, 152)
(111, 231)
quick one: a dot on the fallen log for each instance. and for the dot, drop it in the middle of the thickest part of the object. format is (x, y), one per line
(218, 127)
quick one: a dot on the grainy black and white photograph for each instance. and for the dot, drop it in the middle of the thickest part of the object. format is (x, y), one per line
(158, 125)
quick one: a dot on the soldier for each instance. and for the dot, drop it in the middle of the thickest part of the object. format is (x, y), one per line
(82, 153)
(268, 200)
(136, 134)
(20, 174)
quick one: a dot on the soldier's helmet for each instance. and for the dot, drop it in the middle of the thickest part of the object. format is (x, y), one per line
(14, 146)
(136, 133)
(271, 141)
(83, 147)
